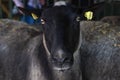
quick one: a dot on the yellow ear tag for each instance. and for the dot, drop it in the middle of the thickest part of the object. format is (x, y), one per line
(34, 16)
(88, 15)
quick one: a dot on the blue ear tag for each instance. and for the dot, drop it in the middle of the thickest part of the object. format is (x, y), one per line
(89, 15)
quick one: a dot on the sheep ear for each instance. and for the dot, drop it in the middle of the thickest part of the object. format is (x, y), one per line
(35, 13)
(89, 11)
(93, 7)
(25, 11)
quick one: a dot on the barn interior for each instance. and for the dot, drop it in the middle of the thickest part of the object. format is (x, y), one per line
(97, 32)
(108, 8)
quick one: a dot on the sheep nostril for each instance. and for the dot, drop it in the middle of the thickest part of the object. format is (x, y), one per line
(62, 60)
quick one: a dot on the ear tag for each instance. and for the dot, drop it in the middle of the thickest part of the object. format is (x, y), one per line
(88, 15)
(35, 17)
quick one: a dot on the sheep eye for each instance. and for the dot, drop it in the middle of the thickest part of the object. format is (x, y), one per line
(42, 21)
(78, 19)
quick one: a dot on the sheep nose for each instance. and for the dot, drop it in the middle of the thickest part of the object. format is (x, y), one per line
(62, 57)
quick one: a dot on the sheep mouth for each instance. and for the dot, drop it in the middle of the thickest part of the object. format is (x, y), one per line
(62, 68)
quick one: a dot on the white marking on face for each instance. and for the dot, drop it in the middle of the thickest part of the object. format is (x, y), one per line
(60, 3)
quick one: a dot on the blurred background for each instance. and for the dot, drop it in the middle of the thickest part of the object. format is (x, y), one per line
(110, 8)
